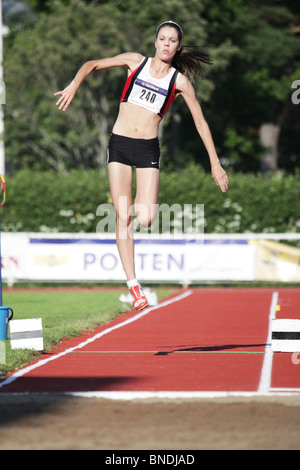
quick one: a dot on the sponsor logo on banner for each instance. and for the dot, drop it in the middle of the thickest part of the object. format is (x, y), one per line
(276, 261)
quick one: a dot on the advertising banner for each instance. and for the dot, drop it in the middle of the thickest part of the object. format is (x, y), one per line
(179, 259)
(69, 257)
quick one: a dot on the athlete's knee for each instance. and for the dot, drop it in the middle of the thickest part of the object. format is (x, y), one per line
(124, 212)
(144, 221)
(124, 218)
(145, 214)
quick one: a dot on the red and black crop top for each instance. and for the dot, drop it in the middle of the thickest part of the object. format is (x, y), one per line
(154, 94)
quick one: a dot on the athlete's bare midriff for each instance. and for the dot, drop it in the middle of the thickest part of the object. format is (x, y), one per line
(136, 122)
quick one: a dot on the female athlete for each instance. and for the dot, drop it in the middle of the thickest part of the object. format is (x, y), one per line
(151, 86)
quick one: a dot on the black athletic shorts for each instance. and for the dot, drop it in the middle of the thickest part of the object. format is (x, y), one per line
(141, 153)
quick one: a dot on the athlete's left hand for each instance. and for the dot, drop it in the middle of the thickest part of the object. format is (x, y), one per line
(220, 176)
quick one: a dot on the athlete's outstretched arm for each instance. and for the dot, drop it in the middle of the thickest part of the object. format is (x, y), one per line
(128, 59)
(188, 93)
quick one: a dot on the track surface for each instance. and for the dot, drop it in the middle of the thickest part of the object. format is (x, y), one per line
(203, 341)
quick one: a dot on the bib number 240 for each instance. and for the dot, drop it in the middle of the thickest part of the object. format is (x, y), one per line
(148, 96)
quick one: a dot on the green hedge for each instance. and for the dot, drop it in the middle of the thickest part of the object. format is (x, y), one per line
(47, 201)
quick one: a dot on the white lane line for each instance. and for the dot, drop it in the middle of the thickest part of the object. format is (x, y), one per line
(126, 395)
(266, 372)
(27, 369)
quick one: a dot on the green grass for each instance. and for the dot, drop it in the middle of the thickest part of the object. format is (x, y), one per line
(64, 315)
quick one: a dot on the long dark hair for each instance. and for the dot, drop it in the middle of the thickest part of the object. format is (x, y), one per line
(186, 61)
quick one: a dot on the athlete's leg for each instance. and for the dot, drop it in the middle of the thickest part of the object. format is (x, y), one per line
(147, 184)
(120, 179)
(147, 181)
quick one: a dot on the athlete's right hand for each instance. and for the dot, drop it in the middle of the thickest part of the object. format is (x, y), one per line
(67, 96)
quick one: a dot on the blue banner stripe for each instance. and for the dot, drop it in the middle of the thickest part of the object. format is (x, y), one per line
(95, 241)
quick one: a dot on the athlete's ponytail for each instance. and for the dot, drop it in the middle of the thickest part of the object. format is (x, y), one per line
(187, 61)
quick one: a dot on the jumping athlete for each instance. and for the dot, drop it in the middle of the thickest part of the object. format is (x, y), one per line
(151, 86)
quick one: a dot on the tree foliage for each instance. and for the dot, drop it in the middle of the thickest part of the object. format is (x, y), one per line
(256, 89)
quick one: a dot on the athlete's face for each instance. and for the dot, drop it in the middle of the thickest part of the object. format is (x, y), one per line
(167, 43)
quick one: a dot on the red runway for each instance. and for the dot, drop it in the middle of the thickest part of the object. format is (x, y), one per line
(205, 341)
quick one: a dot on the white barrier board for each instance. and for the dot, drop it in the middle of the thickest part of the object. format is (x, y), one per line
(68, 257)
(180, 259)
